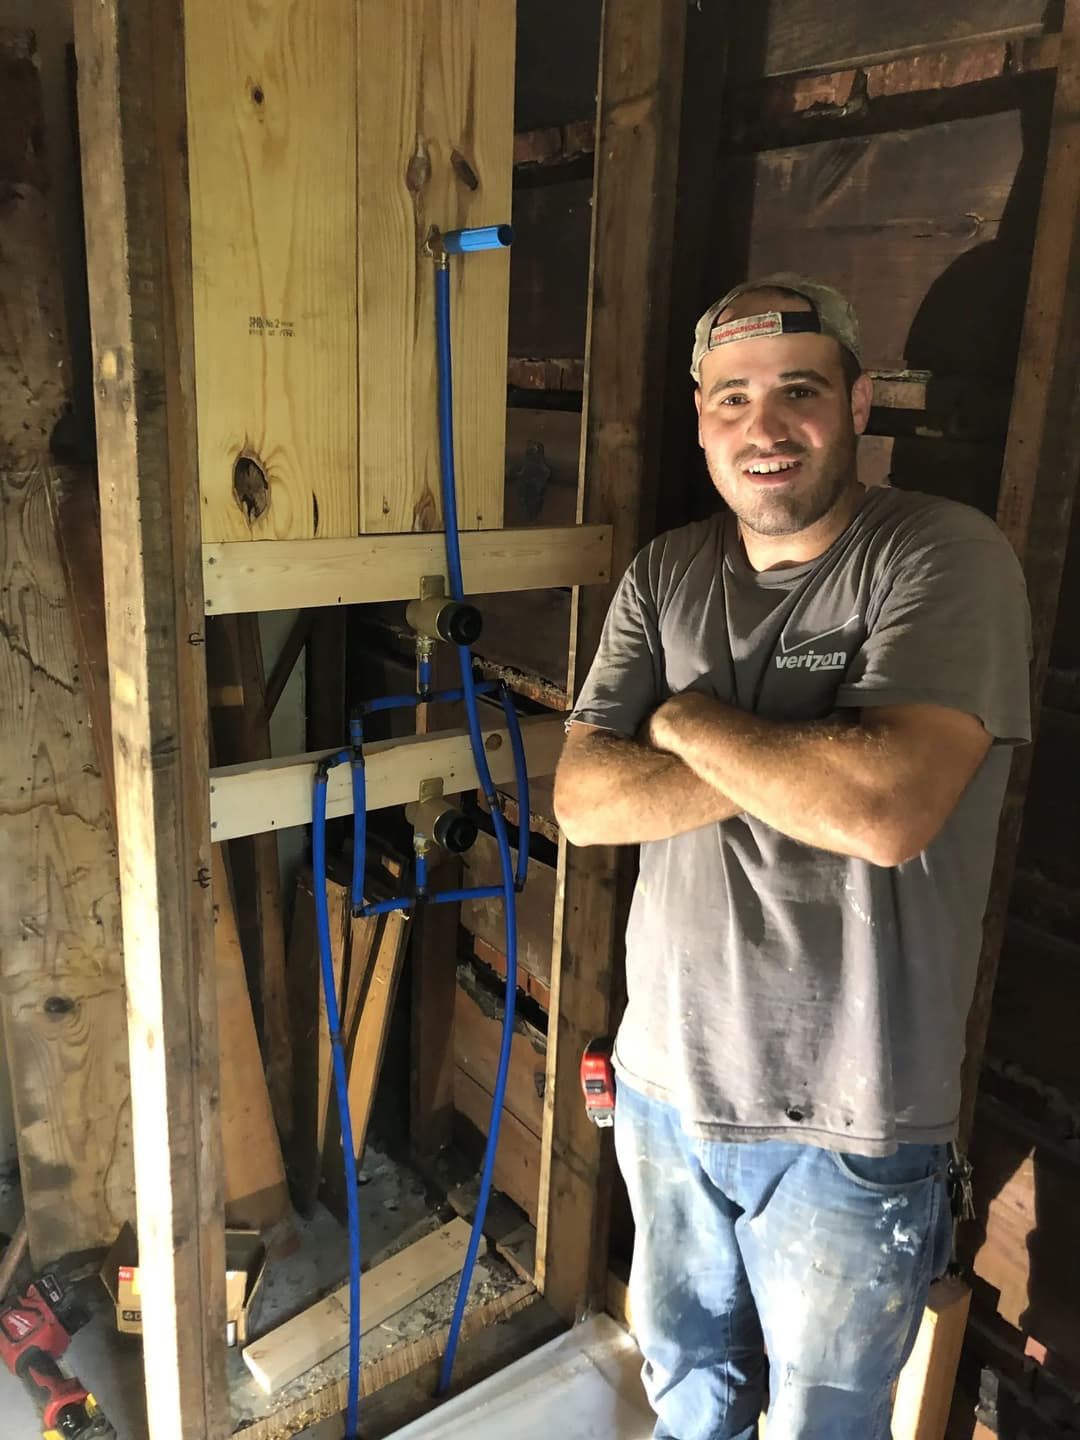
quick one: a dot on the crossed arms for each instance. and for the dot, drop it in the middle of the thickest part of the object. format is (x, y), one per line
(878, 785)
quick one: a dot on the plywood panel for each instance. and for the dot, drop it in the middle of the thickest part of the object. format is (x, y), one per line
(272, 129)
(435, 148)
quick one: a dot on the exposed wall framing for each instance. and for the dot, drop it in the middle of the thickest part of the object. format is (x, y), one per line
(63, 1004)
(153, 318)
(132, 112)
(819, 116)
(638, 108)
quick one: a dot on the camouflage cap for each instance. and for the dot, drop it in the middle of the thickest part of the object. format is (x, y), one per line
(831, 315)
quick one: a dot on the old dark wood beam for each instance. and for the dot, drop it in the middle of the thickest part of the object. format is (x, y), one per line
(132, 114)
(638, 113)
(803, 35)
(920, 89)
(1039, 478)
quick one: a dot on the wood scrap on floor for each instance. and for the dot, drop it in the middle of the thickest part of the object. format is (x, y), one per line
(320, 1331)
(312, 1074)
(376, 955)
(924, 1392)
(256, 1196)
(240, 728)
(367, 954)
(486, 1339)
(367, 1045)
(508, 1231)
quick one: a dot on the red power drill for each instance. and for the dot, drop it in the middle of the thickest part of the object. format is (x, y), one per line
(32, 1339)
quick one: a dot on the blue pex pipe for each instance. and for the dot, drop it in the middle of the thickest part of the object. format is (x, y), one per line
(384, 907)
(410, 702)
(446, 434)
(521, 777)
(341, 1084)
(459, 243)
(483, 237)
(481, 892)
(359, 793)
(441, 897)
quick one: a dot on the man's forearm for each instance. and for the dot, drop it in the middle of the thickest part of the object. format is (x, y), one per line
(610, 790)
(837, 784)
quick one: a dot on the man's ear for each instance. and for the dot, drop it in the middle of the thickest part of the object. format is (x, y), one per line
(697, 407)
(862, 397)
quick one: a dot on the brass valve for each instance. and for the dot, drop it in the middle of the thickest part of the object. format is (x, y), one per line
(433, 817)
(443, 619)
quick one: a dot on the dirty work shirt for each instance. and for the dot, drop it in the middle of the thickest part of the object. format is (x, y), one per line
(777, 990)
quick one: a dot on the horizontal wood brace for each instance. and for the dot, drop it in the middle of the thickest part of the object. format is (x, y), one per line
(246, 575)
(273, 794)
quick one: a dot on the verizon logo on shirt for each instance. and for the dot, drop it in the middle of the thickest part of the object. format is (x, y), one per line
(811, 660)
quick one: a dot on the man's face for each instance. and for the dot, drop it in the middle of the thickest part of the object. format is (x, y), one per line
(777, 424)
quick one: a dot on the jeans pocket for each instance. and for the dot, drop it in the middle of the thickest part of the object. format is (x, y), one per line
(908, 1168)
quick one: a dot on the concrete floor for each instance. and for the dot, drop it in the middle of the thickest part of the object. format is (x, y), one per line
(313, 1259)
(110, 1364)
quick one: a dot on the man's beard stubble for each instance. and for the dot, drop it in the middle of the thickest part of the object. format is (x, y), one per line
(787, 512)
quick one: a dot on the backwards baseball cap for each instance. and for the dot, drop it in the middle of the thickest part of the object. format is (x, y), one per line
(830, 314)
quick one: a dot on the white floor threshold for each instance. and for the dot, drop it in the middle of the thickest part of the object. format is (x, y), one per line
(585, 1385)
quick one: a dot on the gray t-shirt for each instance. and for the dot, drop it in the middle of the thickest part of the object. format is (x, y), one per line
(778, 991)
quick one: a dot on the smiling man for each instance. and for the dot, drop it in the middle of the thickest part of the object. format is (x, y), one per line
(803, 711)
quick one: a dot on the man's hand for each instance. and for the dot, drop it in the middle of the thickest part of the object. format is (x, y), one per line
(611, 790)
(662, 728)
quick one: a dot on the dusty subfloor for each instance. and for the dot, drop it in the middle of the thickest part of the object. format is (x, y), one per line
(308, 1258)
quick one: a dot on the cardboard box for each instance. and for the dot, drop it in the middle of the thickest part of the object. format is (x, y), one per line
(245, 1261)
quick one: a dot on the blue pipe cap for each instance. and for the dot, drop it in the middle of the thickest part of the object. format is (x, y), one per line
(484, 237)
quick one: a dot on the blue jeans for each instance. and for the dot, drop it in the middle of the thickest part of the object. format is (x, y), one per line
(823, 1258)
